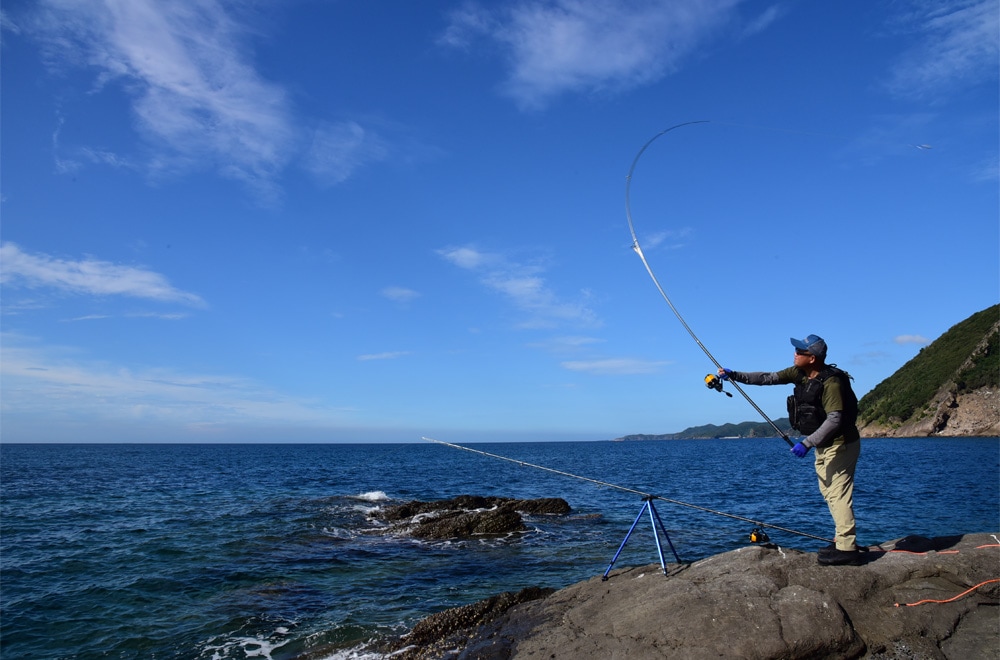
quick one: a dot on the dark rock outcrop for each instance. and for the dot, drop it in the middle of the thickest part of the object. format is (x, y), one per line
(466, 516)
(914, 598)
(439, 634)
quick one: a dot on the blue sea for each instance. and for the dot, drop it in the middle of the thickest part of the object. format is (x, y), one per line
(268, 551)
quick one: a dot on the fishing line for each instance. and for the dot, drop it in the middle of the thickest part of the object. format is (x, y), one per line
(871, 140)
(638, 250)
(624, 488)
(710, 380)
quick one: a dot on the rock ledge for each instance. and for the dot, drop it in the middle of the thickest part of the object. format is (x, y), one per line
(757, 603)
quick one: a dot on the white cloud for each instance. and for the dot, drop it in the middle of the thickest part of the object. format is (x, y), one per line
(7, 25)
(466, 24)
(959, 47)
(911, 339)
(39, 380)
(769, 16)
(336, 151)
(193, 89)
(465, 257)
(131, 315)
(88, 276)
(569, 344)
(90, 317)
(186, 68)
(614, 366)
(671, 239)
(523, 285)
(587, 45)
(988, 170)
(400, 294)
(388, 355)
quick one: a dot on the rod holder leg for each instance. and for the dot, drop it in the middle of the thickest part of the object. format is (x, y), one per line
(654, 518)
(624, 541)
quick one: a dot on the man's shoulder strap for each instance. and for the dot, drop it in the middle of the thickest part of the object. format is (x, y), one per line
(833, 370)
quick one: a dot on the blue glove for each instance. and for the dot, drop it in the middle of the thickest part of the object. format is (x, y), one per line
(725, 374)
(800, 450)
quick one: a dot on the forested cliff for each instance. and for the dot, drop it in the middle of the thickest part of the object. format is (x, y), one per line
(950, 388)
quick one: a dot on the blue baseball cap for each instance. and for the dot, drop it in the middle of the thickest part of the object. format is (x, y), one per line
(813, 344)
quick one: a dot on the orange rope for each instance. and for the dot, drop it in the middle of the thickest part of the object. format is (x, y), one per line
(968, 591)
(945, 552)
(940, 552)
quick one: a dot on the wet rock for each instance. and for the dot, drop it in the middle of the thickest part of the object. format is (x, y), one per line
(440, 634)
(466, 516)
(758, 603)
(453, 525)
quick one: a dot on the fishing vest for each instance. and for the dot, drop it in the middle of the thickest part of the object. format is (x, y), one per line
(805, 405)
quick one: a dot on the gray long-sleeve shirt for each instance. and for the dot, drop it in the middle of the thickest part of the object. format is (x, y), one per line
(831, 426)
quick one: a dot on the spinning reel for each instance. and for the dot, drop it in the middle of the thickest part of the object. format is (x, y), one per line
(712, 382)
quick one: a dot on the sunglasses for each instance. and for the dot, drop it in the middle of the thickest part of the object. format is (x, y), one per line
(799, 351)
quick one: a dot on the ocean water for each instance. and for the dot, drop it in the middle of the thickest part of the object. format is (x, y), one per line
(268, 551)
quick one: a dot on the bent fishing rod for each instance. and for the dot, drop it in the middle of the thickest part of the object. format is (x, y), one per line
(645, 496)
(709, 380)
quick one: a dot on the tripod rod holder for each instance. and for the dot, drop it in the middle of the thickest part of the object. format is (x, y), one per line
(654, 519)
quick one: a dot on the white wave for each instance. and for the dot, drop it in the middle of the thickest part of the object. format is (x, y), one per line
(372, 496)
(356, 653)
(252, 647)
(338, 532)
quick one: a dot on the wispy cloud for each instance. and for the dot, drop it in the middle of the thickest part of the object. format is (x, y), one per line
(468, 257)
(388, 355)
(75, 159)
(959, 47)
(764, 20)
(587, 45)
(615, 366)
(185, 64)
(569, 344)
(88, 276)
(130, 315)
(187, 69)
(89, 317)
(39, 379)
(336, 151)
(7, 25)
(399, 294)
(987, 170)
(670, 239)
(911, 339)
(523, 285)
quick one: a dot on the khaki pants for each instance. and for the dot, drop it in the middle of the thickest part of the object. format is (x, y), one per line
(835, 469)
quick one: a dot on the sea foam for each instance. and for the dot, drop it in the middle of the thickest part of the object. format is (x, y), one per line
(372, 496)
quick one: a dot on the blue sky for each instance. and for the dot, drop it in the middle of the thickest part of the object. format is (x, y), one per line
(372, 221)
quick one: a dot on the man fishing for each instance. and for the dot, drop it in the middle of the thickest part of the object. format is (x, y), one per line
(825, 409)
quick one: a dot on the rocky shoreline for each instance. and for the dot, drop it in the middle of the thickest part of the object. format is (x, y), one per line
(969, 414)
(911, 598)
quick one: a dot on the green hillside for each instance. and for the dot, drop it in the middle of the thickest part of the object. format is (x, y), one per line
(967, 356)
(741, 430)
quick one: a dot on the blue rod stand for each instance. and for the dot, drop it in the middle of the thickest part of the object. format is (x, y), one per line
(654, 519)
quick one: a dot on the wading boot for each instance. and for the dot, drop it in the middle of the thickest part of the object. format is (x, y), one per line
(839, 557)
